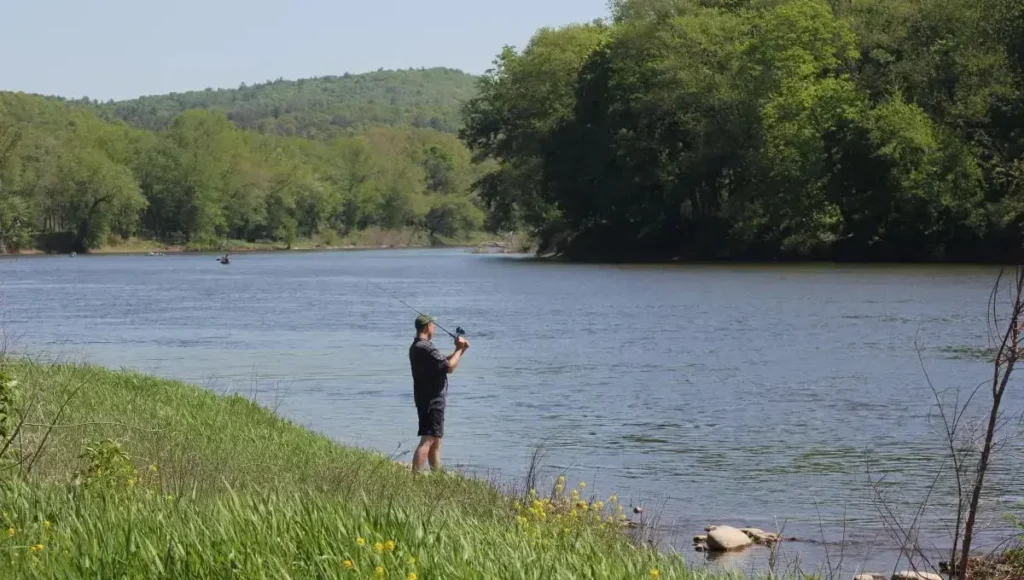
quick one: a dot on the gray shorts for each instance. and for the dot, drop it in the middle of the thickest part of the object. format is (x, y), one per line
(431, 418)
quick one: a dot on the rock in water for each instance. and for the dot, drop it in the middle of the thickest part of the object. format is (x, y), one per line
(912, 575)
(760, 536)
(727, 538)
(869, 577)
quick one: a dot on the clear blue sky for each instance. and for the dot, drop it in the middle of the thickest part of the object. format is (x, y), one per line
(125, 48)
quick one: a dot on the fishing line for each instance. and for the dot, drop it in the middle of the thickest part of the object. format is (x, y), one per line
(459, 331)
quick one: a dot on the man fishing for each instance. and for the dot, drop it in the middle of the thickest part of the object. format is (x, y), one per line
(430, 370)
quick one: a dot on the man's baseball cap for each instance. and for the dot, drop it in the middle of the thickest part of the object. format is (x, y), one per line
(423, 320)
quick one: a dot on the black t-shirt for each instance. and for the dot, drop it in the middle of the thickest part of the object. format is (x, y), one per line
(429, 373)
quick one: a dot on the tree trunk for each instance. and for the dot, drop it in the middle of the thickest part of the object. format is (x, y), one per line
(78, 245)
(1005, 361)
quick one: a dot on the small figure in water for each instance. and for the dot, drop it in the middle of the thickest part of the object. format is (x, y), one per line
(430, 370)
(225, 259)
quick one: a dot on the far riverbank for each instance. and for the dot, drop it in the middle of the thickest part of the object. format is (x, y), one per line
(366, 240)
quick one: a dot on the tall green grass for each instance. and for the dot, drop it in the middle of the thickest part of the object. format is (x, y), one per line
(121, 475)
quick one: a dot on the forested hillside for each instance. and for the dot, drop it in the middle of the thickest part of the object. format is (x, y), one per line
(319, 107)
(70, 180)
(693, 129)
(855, 130)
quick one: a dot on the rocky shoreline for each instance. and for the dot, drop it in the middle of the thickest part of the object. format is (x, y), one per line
(719, 539)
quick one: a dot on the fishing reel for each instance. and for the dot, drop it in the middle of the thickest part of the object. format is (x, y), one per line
(459, 331)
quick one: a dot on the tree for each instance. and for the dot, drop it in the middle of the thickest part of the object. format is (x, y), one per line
(520, 103)
(194, 175)
(15, 218)
(79, 181)
(93, 190)
(452, 217)
(762, 129)
(439, 167)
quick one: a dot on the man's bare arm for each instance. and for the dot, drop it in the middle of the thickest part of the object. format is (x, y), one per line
(461, 344)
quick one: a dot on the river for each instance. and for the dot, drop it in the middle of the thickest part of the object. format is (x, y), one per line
(755, 395)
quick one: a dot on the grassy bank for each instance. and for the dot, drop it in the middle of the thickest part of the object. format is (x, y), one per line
(117, 474)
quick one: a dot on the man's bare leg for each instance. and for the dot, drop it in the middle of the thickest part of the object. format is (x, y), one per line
(419, 458)
(435, 454)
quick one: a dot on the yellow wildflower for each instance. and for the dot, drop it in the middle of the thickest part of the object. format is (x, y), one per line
(11, 532)
(131, 482)
(37, 548)
(379, 547)
(655, 574)
(521, 520)
(347, 564)
(411, 576)
(379, 571)
(583, 485)
(46, 524)
(598, 505)
(390, 545)
(360, 542)
(572, 512)
(613, 499)
(582, 505)
(152, 468)
(561, 479)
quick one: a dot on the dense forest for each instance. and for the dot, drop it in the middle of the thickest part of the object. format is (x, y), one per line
(315, 108)
(675, 129)
(72, 180)
(763, 129)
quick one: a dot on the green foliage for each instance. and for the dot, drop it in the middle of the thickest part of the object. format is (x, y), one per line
(520, 103)
(8, 403)
(224, 488)
(15, 215)
(762, 129)
(15, 221)
(78, 182)
(317, 108)
(107, 465)
(453, 217)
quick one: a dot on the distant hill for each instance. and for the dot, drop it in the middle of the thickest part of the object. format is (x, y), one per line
(318, 107)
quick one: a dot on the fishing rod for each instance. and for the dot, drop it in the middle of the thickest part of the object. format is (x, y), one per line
(459, 331)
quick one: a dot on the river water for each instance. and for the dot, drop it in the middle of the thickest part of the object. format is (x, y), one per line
(748, 395)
